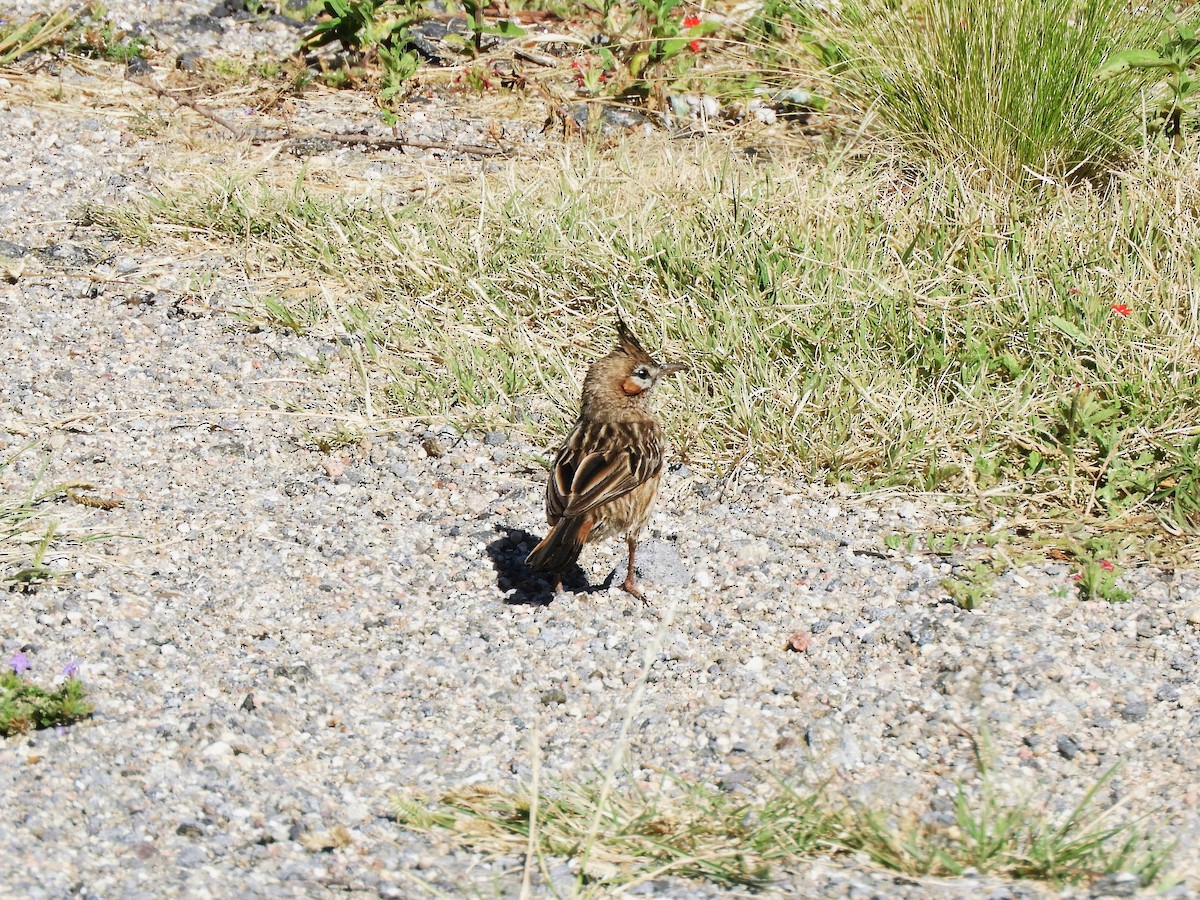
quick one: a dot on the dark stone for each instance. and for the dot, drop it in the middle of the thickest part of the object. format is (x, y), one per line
(189, 61)
(734, 779)
(579, 112)
(298, 673)
(1118, 884)
(189, 829)
(202, 23)
(311, 146)
(137, 67)
(1134, 711)
(9, 250)
(1168, 693)
(227, 8)
(248, 704)
(1068, 747)
(616, 118)
(657, 562)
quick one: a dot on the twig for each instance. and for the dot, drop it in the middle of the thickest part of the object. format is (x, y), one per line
(150, 85)
(365, 140)
(539, 59)
(392, 143)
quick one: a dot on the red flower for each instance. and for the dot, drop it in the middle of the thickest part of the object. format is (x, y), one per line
(691, 21)
(1120, 309)
(1106, 565)
(694, 45)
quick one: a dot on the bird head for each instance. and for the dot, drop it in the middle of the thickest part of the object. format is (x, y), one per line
(627, 376)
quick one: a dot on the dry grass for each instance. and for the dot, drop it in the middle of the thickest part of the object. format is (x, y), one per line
(845, 320)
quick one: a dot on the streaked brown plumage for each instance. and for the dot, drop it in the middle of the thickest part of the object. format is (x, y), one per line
(605, 477)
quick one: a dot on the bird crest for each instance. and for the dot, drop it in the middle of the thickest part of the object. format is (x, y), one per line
(628, 343)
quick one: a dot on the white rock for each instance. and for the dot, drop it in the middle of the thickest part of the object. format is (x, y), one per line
(217, 750)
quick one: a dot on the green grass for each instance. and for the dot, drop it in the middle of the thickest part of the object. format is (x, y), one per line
(877, 324)
(689, 831)
(1008, 90)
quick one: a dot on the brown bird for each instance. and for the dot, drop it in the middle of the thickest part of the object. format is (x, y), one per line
(606, 475)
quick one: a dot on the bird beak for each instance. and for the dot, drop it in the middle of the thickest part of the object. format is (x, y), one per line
(671, 369)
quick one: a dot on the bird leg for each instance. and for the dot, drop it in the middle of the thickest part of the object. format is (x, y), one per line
(629, 586)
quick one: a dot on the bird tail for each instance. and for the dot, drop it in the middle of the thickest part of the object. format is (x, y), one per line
(561, 547)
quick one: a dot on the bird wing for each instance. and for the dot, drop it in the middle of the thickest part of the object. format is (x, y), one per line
(598, 463)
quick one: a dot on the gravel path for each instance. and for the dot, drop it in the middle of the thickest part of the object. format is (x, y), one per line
(276, 639)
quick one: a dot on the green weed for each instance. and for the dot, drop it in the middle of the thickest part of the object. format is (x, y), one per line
(1176, 90)
(375, 33)
(24, 705)
(972, 586)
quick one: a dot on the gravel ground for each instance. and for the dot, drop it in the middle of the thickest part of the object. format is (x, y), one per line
(277, 639)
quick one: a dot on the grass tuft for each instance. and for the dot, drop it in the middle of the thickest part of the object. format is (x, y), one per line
(1007, 89)
(1012, 839)
(34, 534)
(696, 832)
(35, 33)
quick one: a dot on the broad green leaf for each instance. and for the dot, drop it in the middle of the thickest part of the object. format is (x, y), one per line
(674, 46)
(1069, 330)
(505, 28)
(1131, 59)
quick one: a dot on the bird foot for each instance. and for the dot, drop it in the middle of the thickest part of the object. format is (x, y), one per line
(630, 588)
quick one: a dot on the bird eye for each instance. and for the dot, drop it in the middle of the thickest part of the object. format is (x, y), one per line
(641, 372)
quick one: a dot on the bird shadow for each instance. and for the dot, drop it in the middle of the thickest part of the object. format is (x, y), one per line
(529, 588)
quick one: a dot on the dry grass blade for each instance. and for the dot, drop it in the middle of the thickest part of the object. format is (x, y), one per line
(39, 538)
(39, 31)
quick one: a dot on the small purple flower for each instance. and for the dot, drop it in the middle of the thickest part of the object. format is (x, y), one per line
(71, 669)
(19, 663)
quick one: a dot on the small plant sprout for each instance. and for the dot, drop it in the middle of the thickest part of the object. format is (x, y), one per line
(24, 705)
